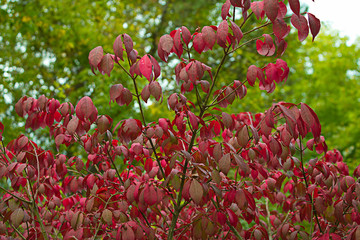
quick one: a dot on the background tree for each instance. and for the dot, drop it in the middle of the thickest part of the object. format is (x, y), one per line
(41, 39)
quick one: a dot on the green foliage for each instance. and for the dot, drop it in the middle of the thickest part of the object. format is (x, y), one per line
(45, 47)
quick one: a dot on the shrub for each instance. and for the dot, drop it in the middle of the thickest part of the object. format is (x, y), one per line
(203, 174)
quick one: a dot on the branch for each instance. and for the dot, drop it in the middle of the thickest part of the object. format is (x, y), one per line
(307, 186)
(19, 198)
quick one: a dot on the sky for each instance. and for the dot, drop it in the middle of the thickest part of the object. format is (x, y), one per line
(339, 14)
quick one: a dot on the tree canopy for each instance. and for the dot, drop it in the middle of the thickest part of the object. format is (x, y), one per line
(45, 51)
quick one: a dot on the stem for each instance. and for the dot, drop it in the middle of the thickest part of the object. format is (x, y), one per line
(307, 186)
(117, 171)
(19, 198)
(143, 118)
(192, 141)
(268, 218)
(98, 227)
(36, 211)
(227, 222)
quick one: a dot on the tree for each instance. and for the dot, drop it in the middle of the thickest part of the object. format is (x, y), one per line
(45, 46)
(324, 74)
(204, 173)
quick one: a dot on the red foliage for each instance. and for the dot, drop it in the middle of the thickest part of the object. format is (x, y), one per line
(199, 175)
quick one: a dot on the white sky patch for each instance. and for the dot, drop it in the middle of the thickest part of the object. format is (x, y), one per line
(341, 15)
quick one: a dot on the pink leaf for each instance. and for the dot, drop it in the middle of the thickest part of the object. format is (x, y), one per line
(150, 195)
(314, 25)
(145, 67)
(266, 48)
(224, 163)
(227, 120)
(118, 48)
(295, 6)
(233, 218)
(155, 90)
(95, 57)
(253, 73)
(300, 23)
(145, 93)
(258, 9)
(193, 120)
(72, 125)
(166, 43)
(129, 46)
(115, 92)
(186, 35)
(222, 33)
(199, 44)
(156, 66)
(178, 49)
(85, 108)
(196, 191)
(205, 85)
(271, 8)
(106, 64)
(237, 31)
(280, 28)
(311, 119)
(237, 3)
(225, 9)
(209, 36)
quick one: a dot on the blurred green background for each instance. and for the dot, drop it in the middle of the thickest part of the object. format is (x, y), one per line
(45, 45)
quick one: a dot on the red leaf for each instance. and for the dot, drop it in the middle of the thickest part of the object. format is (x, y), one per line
(125, 98)
(85, 109)
(233, 218)
(205, 85)
(107, 216)
(150, 195)
(156, 66)
(115, 92)
(243, 136)
(118, 48)
(266, 48)
(128, 233)
(155, 90)
(295, 6)
(312, 120)
(253, 73)
(258, 9)
(166, 43)
(95, 57)
(237, 3)
(209, 36)
(193, 120)
(222, 33)
(196, 191)
(72, 125)
(227, 120)
(145, 66)
(271, 8)
(145, 93)
(129, 45)
(148, 165)
(199, 44)
(106, 64)
(224, 163)
(186, 35)
(280, 28)
(17, 217)
(314, 25)
(221, 218)
(178, 49)
(237, 31)
(225, 9)
(300, 23)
